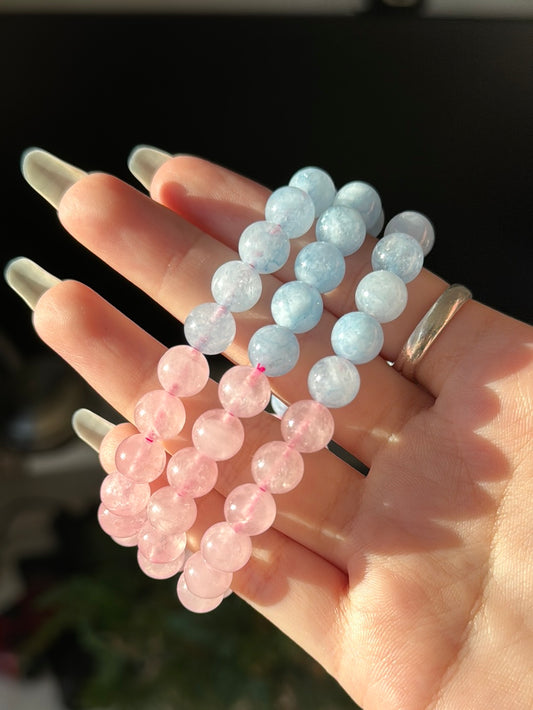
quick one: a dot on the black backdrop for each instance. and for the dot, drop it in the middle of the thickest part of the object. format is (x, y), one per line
(437, 114)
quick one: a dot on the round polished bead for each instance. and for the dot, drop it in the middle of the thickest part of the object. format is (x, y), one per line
(416, 225)
(210, 328)
(194, 603)
(244, 391)
(249, 509)
(321, 265)
(218, 434)
(400, 254)
(140, 459)
(159, 415)
(170, 512)
(274, 348)
(192, 473)
(224, 549)
(265, 246)
(236, 285)
(333, 381)
(160, 570)
(277, 467)
(120, 525)
(318, 185)
(307, 426)
(183, 371)
(362, 197)
(203, 580)
(343, 227)
(123, 496)
(382, 295)
(158, 546)
(376, 228)
(357, 337)
(292, 209)
(297, 306)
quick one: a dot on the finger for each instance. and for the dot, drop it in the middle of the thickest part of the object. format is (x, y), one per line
(118, 359)
(222, 203)
(173, 262)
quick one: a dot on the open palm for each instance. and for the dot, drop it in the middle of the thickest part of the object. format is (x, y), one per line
(413, 586)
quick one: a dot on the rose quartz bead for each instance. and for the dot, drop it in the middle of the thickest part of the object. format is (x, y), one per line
(139, 459)
(120, 525)
(125, 541)
(191, 473)
(122, 496)
(224, 549)
(203, 580)
(307, 426)
(244, 391)
(160, 570)
(170, 512)
(183, 371)
(249, 509)
(193, 603)
(159, 415)
(218, 434)
(158, 546)
(277, 467)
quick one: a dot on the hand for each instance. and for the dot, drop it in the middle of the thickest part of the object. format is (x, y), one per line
(412, 586)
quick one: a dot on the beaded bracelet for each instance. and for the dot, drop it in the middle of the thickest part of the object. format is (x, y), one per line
(210, 327)
(158, 522)
(307, 426)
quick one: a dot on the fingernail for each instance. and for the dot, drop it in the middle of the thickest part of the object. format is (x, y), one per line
(48, 175)
(90, 427)
(28, 279)
(144, 161)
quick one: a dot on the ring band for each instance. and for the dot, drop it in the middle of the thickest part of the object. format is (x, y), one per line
(429, 329)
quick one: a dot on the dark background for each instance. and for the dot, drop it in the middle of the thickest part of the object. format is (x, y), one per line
(436, 114)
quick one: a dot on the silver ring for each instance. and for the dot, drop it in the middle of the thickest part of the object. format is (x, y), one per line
(429, 329)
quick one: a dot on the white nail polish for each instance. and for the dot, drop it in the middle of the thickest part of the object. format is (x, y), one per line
(144, 161)
(48, 175)
(28, 279)
(90, 427)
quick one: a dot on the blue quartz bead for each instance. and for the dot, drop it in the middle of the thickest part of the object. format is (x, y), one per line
(382, 295)
(333, 381)
(292, 209)
(210, 328)
(400, 254)
(362, 197)
(416, 225)
(357, 337)
(265, 246)
(343, 227)
(274, 348)
(236, 285)
(320, 264)
(297, 306)
(318, 185)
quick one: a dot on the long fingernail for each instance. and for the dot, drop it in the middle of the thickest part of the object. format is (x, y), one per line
(90, 427)
(28, 279)
(144, 161)
(48, 175)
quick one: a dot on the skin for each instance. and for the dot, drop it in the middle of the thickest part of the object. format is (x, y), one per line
(413, 586)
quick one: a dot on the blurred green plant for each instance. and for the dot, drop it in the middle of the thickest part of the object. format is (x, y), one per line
(147, 652)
